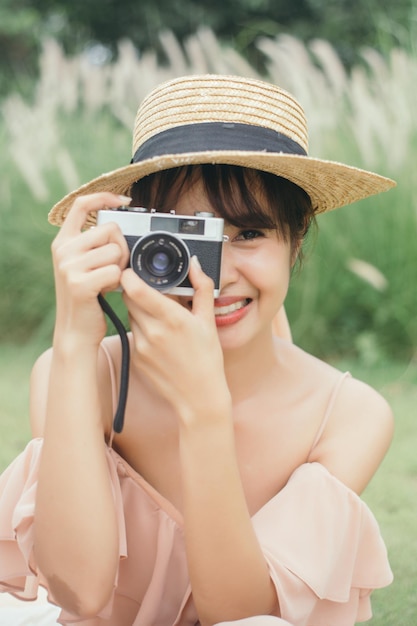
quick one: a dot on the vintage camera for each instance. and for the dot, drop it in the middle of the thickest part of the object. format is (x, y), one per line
(162, 244)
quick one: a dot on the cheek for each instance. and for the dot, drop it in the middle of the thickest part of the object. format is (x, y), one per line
(272, 269)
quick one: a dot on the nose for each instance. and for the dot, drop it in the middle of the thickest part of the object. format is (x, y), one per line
(229, 268)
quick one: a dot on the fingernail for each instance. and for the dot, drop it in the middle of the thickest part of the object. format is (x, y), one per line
(125, 199)
(196, 262)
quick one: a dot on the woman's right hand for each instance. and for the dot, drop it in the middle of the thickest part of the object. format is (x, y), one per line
(86, 263)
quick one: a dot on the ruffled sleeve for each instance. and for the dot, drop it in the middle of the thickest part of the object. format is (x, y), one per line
(19, 573)
(324, 550)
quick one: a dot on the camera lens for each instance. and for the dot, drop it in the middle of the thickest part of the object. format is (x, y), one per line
(159, 263)
(161, 259)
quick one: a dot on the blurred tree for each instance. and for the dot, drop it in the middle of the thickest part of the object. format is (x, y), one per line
(19, 38)
(349, 25)
(75, 23)
(340, 21)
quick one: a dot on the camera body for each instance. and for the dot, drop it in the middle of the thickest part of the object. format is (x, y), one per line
(162, 244)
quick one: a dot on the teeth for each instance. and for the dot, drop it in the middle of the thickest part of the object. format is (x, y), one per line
(224, 310)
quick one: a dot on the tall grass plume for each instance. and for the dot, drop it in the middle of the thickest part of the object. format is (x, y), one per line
(360, 276)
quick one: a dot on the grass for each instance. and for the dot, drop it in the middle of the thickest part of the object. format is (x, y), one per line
(391, 494)
(15, 366)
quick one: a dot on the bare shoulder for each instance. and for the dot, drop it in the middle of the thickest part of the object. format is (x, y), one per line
(360, 422)
(357, 435)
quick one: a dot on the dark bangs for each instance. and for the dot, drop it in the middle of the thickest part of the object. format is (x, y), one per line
(244, 198)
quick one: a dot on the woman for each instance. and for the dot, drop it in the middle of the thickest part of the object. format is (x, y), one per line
(231, 493)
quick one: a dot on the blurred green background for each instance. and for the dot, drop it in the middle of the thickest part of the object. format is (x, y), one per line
(71, 77)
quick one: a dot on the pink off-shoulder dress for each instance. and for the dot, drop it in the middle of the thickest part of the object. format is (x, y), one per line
(322, 544)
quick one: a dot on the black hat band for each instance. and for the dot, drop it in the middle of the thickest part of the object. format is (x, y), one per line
(216, 136)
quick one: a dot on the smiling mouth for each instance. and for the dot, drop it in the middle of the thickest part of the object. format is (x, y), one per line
(231, 308)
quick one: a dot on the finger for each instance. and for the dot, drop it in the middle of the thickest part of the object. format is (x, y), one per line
(84, 205)
(104, 279)
(104, 235)
(203, 285)
(106, 254)
(139, 292)
(92, 248)
(150, 301)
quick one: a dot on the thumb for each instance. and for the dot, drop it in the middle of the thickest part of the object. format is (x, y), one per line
(203, 285)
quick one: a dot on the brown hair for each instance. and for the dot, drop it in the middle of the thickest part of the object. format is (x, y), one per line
(243, 197)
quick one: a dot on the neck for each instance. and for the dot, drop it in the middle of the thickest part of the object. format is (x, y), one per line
(247, 368)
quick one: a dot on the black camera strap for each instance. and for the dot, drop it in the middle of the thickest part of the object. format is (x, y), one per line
(124, 370)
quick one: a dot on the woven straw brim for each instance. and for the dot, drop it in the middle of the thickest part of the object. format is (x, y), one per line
(329, 184)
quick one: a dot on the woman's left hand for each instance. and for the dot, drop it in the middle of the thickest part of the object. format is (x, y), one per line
(178, 349)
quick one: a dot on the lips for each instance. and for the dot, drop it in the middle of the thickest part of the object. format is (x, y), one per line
(229, 311)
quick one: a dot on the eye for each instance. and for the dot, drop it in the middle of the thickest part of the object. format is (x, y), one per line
(250, 234)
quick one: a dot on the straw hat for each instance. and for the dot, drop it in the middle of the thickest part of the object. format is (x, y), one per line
(230, 120)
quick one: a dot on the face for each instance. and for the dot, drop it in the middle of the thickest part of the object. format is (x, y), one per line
(255, 274)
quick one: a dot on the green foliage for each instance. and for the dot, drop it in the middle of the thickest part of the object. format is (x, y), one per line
(19, 41)
(78, 25)
(348, 25)
(27, 307)
(345, 23)
(332, 309)
(390, 494)
(15, 366)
